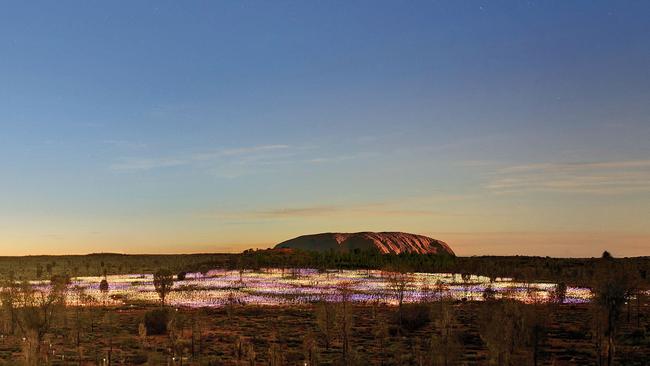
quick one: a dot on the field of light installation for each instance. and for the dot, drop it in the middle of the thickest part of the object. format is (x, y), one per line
(278, 287)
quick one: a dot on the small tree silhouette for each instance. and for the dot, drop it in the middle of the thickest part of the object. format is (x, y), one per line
(398, 284)
(558, 295)
(36, 310)
(103, 288)
(345, 319)
(611, 289)
(325, 319)
(103, 285)
(163, 281)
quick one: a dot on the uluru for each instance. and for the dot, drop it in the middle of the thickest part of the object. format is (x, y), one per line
(384, 242)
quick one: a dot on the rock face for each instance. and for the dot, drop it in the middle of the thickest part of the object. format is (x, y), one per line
(385, 242)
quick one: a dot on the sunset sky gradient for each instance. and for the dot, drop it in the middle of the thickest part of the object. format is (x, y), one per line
(517, 127)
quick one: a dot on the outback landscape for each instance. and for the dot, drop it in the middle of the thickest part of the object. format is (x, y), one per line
(336, 183)
(417, 305)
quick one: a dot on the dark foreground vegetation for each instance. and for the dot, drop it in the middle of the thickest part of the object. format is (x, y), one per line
(37, 326)
(499, 333)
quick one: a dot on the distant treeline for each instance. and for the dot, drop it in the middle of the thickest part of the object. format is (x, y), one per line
(100, 264)
(573, 271)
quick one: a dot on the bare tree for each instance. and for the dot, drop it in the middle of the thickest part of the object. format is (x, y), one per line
(442, 293)
(310, 349)
(610, 293)
(110, 319)
(497, 329)
(558, 295)
(345, 319)
(35, 313)
(81, 298)
(535, 328)
(276, 356)
(9, 297)
(466, 277)
(399, 283)
(326, 321)
(380, 332)
(444, 343)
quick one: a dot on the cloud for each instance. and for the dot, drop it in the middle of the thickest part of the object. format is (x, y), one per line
(210, 155)
(340, 158)
(146, 164)
(234, 154)
(125, 144)
(320, 211)
(604, 177)
(236, 162)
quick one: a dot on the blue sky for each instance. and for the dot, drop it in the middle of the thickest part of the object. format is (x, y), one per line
(501, 127)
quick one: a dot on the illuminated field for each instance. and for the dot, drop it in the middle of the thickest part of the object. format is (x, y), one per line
(275, 287)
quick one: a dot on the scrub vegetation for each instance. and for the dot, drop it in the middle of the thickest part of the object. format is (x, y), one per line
(47, 318)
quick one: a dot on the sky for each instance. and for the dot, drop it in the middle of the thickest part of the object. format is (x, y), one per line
(500, 127)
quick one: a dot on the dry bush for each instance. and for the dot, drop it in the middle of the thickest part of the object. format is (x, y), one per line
(415, 316)
(156, 321)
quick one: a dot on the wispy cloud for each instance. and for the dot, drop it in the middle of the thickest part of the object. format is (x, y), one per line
(235, 162)
(386, 209)
(127, 144)
(209, 155)
(602, 177)
(340, 158)
(147, 164)
(242, 153)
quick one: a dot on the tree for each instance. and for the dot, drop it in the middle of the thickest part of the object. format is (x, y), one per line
(325, 319)
(499, 324)
(103, 288)
(489, 294)
(399, 283)
(110, 319)
(181, 276)
(345, 319)
(310, 349)
(35, 313)
(445, 345)
(380, 332)
(81, 298)
(534, 328)
(466, 277)
(559, 293)
(276, 355)
(9, 297)
(611, 288)
(163, 281)
(441, 292)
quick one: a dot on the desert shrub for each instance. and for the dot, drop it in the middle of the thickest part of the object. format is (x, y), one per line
(558, 295)
(489, 294)
(393, 331)
(638, 335)
(138, 359)
(415, 316)
(156, 320)
(181, 276)
(103, 286)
